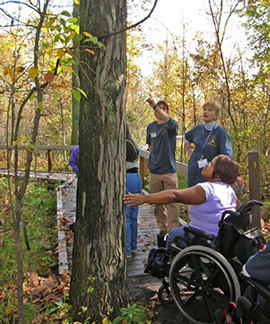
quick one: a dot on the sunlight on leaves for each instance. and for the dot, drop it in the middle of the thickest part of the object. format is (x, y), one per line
(77, 2)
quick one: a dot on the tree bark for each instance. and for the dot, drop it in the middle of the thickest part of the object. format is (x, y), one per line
(99, 279)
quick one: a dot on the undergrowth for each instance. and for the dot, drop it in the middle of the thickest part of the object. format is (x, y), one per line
(39, 213)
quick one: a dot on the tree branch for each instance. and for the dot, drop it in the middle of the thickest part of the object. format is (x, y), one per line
(132, 26)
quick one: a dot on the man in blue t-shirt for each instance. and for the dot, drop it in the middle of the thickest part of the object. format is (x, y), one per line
(161, 140)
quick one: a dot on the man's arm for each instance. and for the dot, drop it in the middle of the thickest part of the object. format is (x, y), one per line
(161, 114)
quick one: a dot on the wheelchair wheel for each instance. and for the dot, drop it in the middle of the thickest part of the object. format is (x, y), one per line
(165, 295)
(202, 281)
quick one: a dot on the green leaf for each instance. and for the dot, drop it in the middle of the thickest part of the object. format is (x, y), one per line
(40, 105)
(32, 146)
(56, 94)
(76, 94)
(32, 97)
(72, 20)
(56, 38)
(16, 142)
(65, 13)
(45, 45)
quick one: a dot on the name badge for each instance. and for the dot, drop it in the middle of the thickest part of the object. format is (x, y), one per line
(153, 135)
(202, 163)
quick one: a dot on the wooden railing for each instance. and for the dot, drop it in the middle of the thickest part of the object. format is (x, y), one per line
(144, 156)
(48, 148)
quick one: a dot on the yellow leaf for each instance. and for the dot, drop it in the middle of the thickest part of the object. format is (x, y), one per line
(71, 53)
(5, 71)
(90, 51)
(32, 72)
(44, 30)
(49, 76)
(23, 138)
(105, 321)
(87, 34)
(72, 35)
(82, 92)
(77, 2)
(8, 311)
(10, 73)
(27, 148)
(49, 50)
(28, 22)
(60, 53)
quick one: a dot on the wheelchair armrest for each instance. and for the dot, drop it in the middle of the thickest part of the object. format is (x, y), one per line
(259, 286)
(199, 233)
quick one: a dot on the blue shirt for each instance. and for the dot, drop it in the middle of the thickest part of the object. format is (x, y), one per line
(162, 138)
(217, 143)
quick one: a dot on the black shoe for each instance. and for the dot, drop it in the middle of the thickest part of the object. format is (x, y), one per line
(161, 240)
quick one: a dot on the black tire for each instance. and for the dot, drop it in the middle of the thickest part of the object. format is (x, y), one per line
(165, 295)
(202, 281)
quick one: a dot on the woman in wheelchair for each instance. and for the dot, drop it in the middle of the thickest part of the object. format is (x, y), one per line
(207, 201)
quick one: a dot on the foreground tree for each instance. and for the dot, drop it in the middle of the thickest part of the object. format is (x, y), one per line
(98, 283)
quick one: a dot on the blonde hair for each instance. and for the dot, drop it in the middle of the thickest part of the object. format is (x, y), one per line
(214, 104)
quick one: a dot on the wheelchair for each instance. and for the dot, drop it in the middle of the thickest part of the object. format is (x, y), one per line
(202, 280)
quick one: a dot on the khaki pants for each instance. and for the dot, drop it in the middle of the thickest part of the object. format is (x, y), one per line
(167, 215)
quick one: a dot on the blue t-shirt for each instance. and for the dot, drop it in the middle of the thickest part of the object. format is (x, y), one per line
(206, 216)
(217, 143)
(162, 138)
(258, 265)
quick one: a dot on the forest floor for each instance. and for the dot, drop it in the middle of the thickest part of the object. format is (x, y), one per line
(143, 290)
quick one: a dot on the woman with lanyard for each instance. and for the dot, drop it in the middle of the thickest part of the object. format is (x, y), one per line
(209, 140)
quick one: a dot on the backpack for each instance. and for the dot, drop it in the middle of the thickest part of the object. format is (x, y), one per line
(157, 263)
(248, 244)
(232, 241)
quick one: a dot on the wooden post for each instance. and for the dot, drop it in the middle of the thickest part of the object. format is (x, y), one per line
(143, 165)
(254, 185)
(49, 160)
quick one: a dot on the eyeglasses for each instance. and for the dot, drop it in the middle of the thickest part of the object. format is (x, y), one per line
(211, 164)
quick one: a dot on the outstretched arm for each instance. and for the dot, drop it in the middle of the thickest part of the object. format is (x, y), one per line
(192, 196)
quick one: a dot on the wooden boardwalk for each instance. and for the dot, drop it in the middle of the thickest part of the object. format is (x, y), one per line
(66, 211)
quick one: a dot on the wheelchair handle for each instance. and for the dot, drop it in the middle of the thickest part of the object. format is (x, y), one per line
(230, 212)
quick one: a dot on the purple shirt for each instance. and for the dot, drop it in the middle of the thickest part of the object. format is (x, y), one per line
(206, 216)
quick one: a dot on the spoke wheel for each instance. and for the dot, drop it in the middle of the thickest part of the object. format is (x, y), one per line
(202, 281)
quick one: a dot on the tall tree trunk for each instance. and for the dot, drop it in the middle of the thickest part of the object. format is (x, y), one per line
(99, 279)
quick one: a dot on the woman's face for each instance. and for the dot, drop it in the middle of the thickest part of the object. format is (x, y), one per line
(209, 114)
(208, 170)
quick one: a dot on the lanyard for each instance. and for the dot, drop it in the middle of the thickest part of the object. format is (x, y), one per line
(203, 145)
